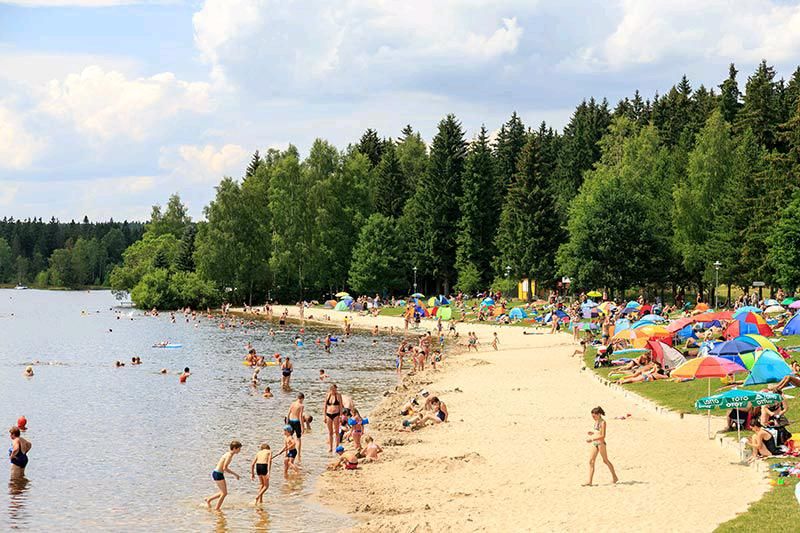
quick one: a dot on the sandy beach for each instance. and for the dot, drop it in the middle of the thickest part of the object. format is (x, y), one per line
(513, 455)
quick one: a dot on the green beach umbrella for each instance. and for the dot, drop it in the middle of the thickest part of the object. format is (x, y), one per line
(787, 301)
(737, 399)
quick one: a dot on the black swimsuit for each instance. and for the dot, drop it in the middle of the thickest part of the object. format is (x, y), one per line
(333, 416)
(262, 469)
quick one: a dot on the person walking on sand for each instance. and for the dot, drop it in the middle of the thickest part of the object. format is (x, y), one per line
(495, 341)
(218, 474)
(18, 454)
(295, 421)
(597, 438)
(262, 467)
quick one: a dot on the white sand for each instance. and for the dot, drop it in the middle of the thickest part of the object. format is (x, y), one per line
(513, 455)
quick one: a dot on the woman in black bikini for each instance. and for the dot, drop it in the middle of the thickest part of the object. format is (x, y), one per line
(332, 407)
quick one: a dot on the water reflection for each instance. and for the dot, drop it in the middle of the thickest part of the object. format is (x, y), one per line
(17, 500)
(261, 523)
(221, 523)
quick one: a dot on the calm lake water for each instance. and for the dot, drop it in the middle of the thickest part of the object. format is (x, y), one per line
(129, 449)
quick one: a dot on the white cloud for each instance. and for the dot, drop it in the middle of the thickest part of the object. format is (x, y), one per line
(18, 147)
(35, 69)
(81, 3)
(204, 164)
(650, 31)
(106, 104)
(298, 46)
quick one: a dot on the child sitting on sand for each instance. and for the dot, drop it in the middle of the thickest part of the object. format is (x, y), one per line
(348, 460)
(372, 450)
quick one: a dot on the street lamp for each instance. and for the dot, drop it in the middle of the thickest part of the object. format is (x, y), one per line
(508, 271)
(717, 264)
(415, 280)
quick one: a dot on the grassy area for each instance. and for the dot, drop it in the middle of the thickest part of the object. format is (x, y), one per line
(779, 506)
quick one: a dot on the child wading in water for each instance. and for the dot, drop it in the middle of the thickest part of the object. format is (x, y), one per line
(289, 447)
(218, 474)
(597, 438)
(261, 467)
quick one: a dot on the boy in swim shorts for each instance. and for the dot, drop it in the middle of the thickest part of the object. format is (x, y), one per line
(295, 420)
(261, 467)
(291, 451)
(218, 474)
(346, 459)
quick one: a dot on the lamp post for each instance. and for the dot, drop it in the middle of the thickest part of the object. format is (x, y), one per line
(717, 264)
(508, 271)
(415, 280)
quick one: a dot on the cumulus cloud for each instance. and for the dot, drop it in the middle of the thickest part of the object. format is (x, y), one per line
(650, 31)
(105, 104)
(18, 147)
(297, 47)
(204, 164)
(81, 3)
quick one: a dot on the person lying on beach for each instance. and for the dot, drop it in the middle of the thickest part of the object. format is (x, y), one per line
(261, 467)
(372, 449)
(218, 474)
(785, 382)
(636, 362)
(653, 373)
(762, 442)
(348, 460)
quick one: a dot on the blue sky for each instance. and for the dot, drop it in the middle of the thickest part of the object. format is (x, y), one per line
(107, 106)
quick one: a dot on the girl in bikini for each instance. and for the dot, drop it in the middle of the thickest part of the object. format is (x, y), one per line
(597, 438)
(332, 408)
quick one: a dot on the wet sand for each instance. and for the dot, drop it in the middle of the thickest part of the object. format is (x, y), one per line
(513, 455)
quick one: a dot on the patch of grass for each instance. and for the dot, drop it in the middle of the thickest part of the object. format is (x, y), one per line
(777, 507)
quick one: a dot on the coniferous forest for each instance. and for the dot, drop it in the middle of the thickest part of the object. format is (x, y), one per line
(649, 192)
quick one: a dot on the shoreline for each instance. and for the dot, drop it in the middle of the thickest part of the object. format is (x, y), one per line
(515, 440)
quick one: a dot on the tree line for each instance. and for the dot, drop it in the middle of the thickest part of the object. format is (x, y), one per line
(649, 193)
(47, 254)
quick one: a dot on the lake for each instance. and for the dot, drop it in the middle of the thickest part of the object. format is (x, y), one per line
(130, 449)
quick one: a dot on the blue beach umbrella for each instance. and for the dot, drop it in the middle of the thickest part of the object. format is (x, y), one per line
(746, 309)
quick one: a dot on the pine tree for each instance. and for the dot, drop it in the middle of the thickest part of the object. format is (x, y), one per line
(480, 206)
(371, 146)
(510, 141)
(529, 231)
(255, 162)
(390, 189)
(761, 110)
(435, 211)
(730, 96)
(185, 260)
(792, 94)
(413, 156)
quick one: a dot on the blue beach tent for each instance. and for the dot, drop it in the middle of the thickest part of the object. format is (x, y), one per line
(768, 368)
(517, 313)
(793, 326)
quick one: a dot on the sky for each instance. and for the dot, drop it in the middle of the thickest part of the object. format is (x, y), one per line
(109, 106)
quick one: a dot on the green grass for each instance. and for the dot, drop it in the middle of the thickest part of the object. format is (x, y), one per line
(778, 507)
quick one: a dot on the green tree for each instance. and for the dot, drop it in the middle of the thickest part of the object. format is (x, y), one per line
(371, 146)
(255, 162)
(60, 272)
(510, 140)
(784, 246)
(730, 96)
(378, 262)
(173, 220)
(390, 190)
(413, 156)
(761, 110)
(480, 205)
(6, 261)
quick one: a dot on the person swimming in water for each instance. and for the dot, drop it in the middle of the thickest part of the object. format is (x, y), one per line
(18, 453)
(218, 474)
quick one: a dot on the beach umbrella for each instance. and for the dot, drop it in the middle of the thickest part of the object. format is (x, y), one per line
(732, 347)
(594, 294)
(642, 322)
(633, 304)
(787, 301)
(707, 367)
(341, 294)
(737, 399)
(795, 305)
(487, 302)
(664, 354)
(702, 306)
(654, 318)
(630, 351)
(774, 310)
(621, 325)
(746, 309)
(589, 303)
(771, 301)
(768, 368)
(630, 335)
(418, 295)
(607, 306)
(347, 298)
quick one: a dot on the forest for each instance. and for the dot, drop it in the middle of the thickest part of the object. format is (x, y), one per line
(65, 255)
(649, 193)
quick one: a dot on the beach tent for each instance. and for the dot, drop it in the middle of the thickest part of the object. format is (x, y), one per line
(356, 306)
(487, 302)
(747, 323)
(793, 326)
(517, 313)
(330, 304)
(759, 341)
(421, 310)
(686, 332)
(702, 306)
(642, 322)
(442, 300)
(665, 355)
(400, 303)
(768, 368)
(344, 305)
(621, 325)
